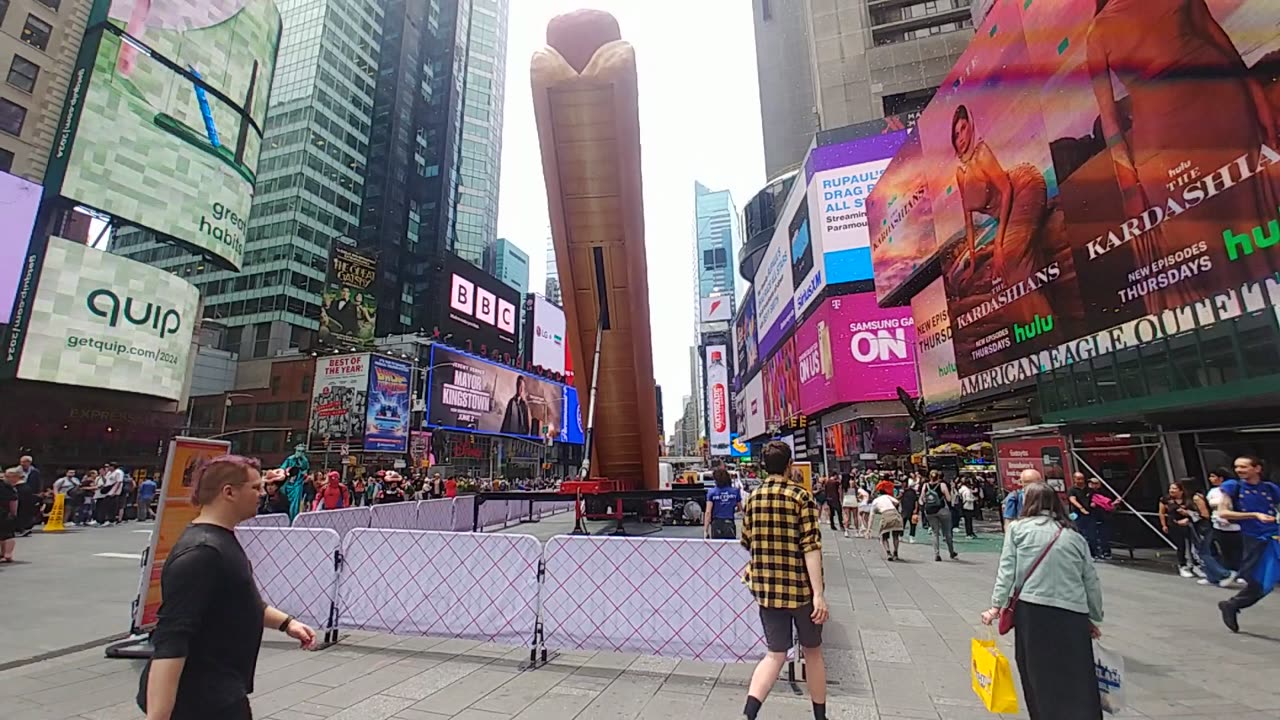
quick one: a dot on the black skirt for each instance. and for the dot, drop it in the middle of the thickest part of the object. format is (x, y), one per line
(1054, 652)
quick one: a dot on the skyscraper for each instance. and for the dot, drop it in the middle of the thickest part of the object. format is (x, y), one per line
(824, 65)
(511, 265)
(434, 150)
(311, 178)
(717, 236)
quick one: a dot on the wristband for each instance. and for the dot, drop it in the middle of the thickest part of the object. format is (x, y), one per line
(284, 626)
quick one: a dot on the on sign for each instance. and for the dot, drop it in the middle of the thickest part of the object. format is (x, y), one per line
(881, 345)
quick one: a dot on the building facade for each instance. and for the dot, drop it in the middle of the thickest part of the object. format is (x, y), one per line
(859, 60)
(311, 178)
(552, 284)
(716, 237)
(511, 265)
(39, 40)
(434, 151)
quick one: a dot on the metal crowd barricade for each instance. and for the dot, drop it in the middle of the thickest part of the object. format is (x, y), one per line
(341, 521)
(296, 569)
(441, 584)
(436, 515)
(655, 596)
(463, 512)
(275, 520)
(395, 516)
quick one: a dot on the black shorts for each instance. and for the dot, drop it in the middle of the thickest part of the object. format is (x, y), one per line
(779, 622)
(723, 529)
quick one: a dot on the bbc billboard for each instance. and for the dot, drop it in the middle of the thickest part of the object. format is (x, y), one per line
(163, 130)
(1095, 208)
(100, 320)
(348, 307)
(480, 308)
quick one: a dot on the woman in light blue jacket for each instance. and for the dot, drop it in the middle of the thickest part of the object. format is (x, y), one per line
(1058, 610)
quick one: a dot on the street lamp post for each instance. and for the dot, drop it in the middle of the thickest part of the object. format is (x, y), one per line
(227, 406)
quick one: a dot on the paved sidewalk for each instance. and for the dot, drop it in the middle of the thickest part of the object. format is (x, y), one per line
(898, 649)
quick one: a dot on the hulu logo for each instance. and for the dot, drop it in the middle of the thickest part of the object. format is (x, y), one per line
(1244, 243)
(1037, 326)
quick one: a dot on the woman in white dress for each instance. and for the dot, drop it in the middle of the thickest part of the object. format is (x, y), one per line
(849, 504)
(864, 511)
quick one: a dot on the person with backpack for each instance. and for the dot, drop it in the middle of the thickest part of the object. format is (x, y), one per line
(333, 495)
(1250, 502)
(935, 503)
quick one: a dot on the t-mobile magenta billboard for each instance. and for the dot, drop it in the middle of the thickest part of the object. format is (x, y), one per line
(852, 350)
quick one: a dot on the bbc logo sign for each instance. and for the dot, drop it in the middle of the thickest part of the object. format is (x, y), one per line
(474, 301)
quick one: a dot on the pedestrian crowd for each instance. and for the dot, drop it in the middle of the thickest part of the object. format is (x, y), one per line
(329, 490)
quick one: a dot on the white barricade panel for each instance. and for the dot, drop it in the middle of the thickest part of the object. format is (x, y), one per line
(464, 507)
(441, 584)
(437, 515)
(394, 516)
(493, 512)
(294, 569)
(655, 596)
(341, 521)
(276, 520)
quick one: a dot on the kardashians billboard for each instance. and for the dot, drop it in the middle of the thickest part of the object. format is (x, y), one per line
(1088, 164)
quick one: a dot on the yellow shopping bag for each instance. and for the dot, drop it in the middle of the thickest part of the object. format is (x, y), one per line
(992, 678)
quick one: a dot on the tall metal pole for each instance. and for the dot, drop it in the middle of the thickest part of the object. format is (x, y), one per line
(591, 404)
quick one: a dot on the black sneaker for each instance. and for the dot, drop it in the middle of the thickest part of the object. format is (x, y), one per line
(1230, 616)
(937, 558)
(955, 555)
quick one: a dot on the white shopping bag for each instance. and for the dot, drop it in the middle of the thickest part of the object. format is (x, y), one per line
(1110, 667)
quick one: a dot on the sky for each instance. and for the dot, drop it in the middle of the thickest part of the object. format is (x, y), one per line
(699, 121)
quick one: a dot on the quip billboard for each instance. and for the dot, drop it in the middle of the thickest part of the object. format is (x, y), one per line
(163, 122)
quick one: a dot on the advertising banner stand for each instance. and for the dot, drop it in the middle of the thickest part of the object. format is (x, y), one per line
(173, 513)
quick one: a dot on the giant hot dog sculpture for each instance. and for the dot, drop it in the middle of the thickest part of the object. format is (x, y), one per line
(585, 101)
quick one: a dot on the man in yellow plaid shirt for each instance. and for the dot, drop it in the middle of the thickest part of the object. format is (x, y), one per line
(780, 530)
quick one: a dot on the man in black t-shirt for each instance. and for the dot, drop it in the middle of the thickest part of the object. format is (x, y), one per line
(211, 615)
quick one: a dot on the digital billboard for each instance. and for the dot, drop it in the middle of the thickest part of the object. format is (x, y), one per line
(547, 342)
(738, 448)
(717, 399)
(163, 129)
(475, 395)
(744, 337)
(716, 309)
(935, 355)
(572, 432)
(348, 308)
(900, 219)
(1096, 200)
(840, 179)
(753, 408)
(479, 307)
(781, 385)
(852, 350)
(19, 202)
(103, 321)
(775, 289)
(339, 396)
(387, 417)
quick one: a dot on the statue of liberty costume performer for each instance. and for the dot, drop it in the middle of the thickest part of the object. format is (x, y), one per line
(296, 467)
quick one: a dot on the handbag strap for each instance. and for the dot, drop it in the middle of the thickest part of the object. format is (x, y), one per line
(1017, 590)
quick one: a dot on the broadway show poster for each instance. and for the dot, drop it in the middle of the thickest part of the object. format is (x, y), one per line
(900, 218)
(387, 418)
(1006, 262)
(852, 350)
(338, 400)
(935, 353)
(174, 513)
(348, 307)
(782, 385)
(468, 393)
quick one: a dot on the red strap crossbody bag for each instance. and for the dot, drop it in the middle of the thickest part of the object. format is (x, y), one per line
(1006, 612)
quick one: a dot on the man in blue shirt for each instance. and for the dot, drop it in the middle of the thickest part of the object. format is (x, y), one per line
(146, 493)
(723, 502)
(1250, 502)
